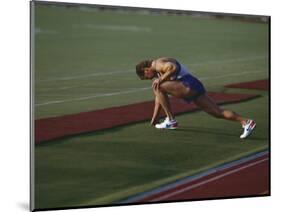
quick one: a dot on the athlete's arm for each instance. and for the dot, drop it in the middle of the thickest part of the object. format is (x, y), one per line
(168, 69)
(157, 109)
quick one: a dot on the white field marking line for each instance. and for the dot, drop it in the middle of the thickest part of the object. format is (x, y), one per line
(243, 59)
(83, 76)
(93, 96)
(45, 31)
(229, 75)
(127, 71)
(202, 79)
(129, 28)
(192, 178)
(130, 91)
(207, 181)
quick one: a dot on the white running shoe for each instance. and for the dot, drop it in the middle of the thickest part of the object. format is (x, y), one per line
(248, 128)
(167, 124)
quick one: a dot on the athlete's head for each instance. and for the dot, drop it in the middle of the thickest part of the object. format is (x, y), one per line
(144, 70)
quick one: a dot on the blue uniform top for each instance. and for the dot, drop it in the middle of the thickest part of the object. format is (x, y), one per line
(180, 72)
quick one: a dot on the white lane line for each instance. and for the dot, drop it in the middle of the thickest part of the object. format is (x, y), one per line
(243, 59)
(127, 71)
(133, 91)
(82, 76)
(229, 75)
(164, 188)
(201, 78)
(164, 197)
(93, 96)
(45, 31)
(129, 28)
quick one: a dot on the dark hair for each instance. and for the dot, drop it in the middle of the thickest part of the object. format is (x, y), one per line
(141, 66)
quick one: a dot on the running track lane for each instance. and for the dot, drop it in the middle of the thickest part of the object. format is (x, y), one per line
(57, 127)
(258, 85)
(247, 178)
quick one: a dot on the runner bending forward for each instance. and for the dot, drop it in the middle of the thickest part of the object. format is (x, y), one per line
(174, 79)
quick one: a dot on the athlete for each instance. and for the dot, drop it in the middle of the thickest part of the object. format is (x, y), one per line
(172, 78)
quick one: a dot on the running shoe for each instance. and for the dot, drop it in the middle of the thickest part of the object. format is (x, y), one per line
(248, 128)
(167, 124)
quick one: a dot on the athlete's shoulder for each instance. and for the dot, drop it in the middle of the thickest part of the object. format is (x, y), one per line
(166, 60)
(164, 64)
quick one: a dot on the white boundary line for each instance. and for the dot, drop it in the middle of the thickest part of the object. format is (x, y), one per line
(129, 28)
(164, 188)
(258, 57)
(209, 180)
(229, 75)
(93, 96)
(82, 76)
(134, 90)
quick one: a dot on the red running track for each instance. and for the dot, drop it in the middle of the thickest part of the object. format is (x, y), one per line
(58, 127)
(250, 178)
(257, 85)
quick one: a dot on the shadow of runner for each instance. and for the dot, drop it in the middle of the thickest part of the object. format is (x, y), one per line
(211, 131)
(216, 131)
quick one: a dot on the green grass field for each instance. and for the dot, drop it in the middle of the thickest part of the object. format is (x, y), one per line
(85, 59)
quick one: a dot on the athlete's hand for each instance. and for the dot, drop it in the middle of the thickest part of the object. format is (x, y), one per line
(153, 122)
(156, 83)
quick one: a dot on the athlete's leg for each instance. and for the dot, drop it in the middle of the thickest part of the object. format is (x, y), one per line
(163, 99)
(156, 111)
(179, 90)
(209, 106)
(176, 89)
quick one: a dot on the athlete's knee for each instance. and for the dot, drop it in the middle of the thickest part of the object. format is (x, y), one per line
(156, 91)
(160, 89)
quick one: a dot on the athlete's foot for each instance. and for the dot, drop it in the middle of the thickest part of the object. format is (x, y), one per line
(248, 128)
(167, 124)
